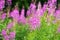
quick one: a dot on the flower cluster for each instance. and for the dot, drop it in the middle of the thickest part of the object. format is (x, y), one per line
(33, 19)
(9, 36)
(2, 4)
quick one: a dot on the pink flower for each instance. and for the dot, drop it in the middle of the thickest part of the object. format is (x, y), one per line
(39, 12)
(3, 16)
(39, 5)
(10, 25)
(4, 32)
(22, 12)
(45, 6)
(32, 8)
(22, 18)
(6, 37)
(53, 1)
(57, 14)
(49, 1)
(28, 12)
(51, 11)
(12, 35)
(2, 4)
(15, 14)
(34, 22)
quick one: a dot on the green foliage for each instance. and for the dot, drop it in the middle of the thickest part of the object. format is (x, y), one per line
(21, 31)
(3, 23)
(45, 32)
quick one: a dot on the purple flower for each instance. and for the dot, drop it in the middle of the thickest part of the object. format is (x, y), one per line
(49, 1)
(57, 14)
(39, 5)
(38, 9)
(39, 12)
(50, 5)
(22, 18)
(32, 8)
(10, 25)
(45, 6)
(4, 32)
(28, 12)
(51, 11)
(6, 37)
(34, 22)
(53, 1)
(22, 12)
(3, 16)
(15, 14)
(2, 4)
(12, 35)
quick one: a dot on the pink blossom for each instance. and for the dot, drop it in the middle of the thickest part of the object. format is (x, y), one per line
(32, 8)
(45, 6)
(49, 1)
(51, 11)
(4, 32)
(34, 22)
(10, 25)
(22, 18)
(57, 14)
(15, 14)
(6, 37)
(3, 16)
(28, 12)
(53, 1)
(39, 12)
(12, 35)
(2, 4)
(39, 5)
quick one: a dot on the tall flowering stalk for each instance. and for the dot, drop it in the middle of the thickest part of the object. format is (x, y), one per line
(2, 4)
(22, 17)
(51, 9)
(34, 22)
(9, 3)
(10, 25)
(28, 12)
(33, 19)
(57, 16)
(12, 35)
(9, 35)
(4, 32)
(15, 14)
(3, 16)
(39, 10)
(6, 36)
(32, 8)
(45, 6)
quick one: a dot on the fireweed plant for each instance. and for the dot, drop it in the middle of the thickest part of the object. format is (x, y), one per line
(42, 23)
